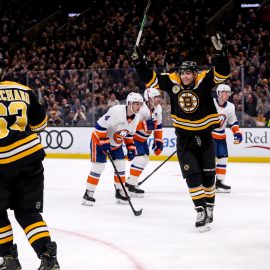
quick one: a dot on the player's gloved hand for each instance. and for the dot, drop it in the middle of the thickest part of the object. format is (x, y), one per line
(104, 144)
(131, 151)
(220, 43)
(157, 147)
(237, 137)
(150, 124)
(136, 55)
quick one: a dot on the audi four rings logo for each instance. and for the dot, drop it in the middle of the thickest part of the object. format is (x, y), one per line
(55, 139)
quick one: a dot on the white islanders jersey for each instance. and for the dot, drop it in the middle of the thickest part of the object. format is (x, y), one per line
(146, 114)
(227, 113)
(116, 124)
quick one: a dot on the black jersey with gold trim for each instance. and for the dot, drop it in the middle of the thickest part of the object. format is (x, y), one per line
(192, 109)
(21, 117)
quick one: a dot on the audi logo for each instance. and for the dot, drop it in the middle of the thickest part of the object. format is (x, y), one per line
(55, 139)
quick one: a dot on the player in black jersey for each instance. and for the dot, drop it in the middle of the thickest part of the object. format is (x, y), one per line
(194, 116)
(21, 174)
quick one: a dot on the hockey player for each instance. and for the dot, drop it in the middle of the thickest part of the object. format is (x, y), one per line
(227, 111)
(194, 117)
(150, 120)
(21, 174)
(118, 125)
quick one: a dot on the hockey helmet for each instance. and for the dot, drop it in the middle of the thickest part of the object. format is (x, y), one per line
(2, 68)
(188, 66)
(150, 93)
(134, 97)
(223, 87)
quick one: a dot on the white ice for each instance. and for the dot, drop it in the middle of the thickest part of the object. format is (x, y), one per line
(108, 236)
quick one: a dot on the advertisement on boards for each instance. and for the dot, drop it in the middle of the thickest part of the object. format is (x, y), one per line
(76, 141)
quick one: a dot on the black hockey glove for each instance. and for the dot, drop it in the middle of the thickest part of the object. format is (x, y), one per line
(131, 151)
(136, 56)
(220, 43)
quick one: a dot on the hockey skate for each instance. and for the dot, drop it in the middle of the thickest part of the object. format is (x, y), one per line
(48, 258)
(121, 197)
(221, 188)
(209, 211)
(134, 191)
(88, 198)
(201, 220)
(10, 261)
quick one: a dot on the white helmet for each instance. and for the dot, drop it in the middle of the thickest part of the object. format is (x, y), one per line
(223, 87)
(134, 97)
(150, 93)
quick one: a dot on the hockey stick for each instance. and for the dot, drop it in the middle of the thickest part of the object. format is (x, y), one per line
(136, 213)
(157, 168)
(143, 23)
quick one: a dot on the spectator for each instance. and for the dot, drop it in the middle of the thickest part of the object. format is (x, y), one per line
(250, 105)
(54, 120)
(267, 117)
(112, 101)
(260, 119)
(78, 106)
(79, 118)
(68, 120)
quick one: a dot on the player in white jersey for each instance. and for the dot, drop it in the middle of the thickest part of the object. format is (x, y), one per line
(118, 125)
(226, 111)
(150, 121)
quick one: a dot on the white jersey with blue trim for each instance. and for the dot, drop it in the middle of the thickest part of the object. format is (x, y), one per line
(146, 114)
(228, 112)
(117, 125)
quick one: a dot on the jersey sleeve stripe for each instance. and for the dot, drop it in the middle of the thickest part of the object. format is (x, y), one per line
(18, 143)
(153, 79)
(40, 126)
(22, 155)
(201, 127)
(181, 120)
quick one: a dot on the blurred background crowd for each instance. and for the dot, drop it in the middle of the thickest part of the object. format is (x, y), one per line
(73, 55)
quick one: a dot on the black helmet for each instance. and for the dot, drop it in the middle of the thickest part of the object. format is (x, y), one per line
(2, 68)
(188, 66)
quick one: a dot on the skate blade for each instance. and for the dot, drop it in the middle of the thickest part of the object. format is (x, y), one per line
(222, 190)
(204, 228)
(136, 195)
(87, 203)
(118, 201)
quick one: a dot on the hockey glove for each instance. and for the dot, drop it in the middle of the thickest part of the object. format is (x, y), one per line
(237, 137)
(131, 151)
(220, 43)
(149, 125)
(136, 56)
(104, 144)
(157, 147)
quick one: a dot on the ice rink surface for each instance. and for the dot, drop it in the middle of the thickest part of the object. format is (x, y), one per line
(108, 236)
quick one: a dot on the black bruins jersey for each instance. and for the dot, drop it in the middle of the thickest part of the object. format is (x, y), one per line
(192, 110)
(21, 116)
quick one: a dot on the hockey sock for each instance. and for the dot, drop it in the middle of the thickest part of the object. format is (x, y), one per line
(136, 168)
(35, 229)
(135, 173)
(196, 190)
(6, 234)
(120, 166)
(221, 168)
(94, 175)
(210, 189)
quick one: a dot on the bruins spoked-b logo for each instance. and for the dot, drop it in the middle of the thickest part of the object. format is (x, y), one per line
(188, 101)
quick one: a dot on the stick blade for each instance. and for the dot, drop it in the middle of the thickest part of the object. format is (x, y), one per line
(137, 212)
